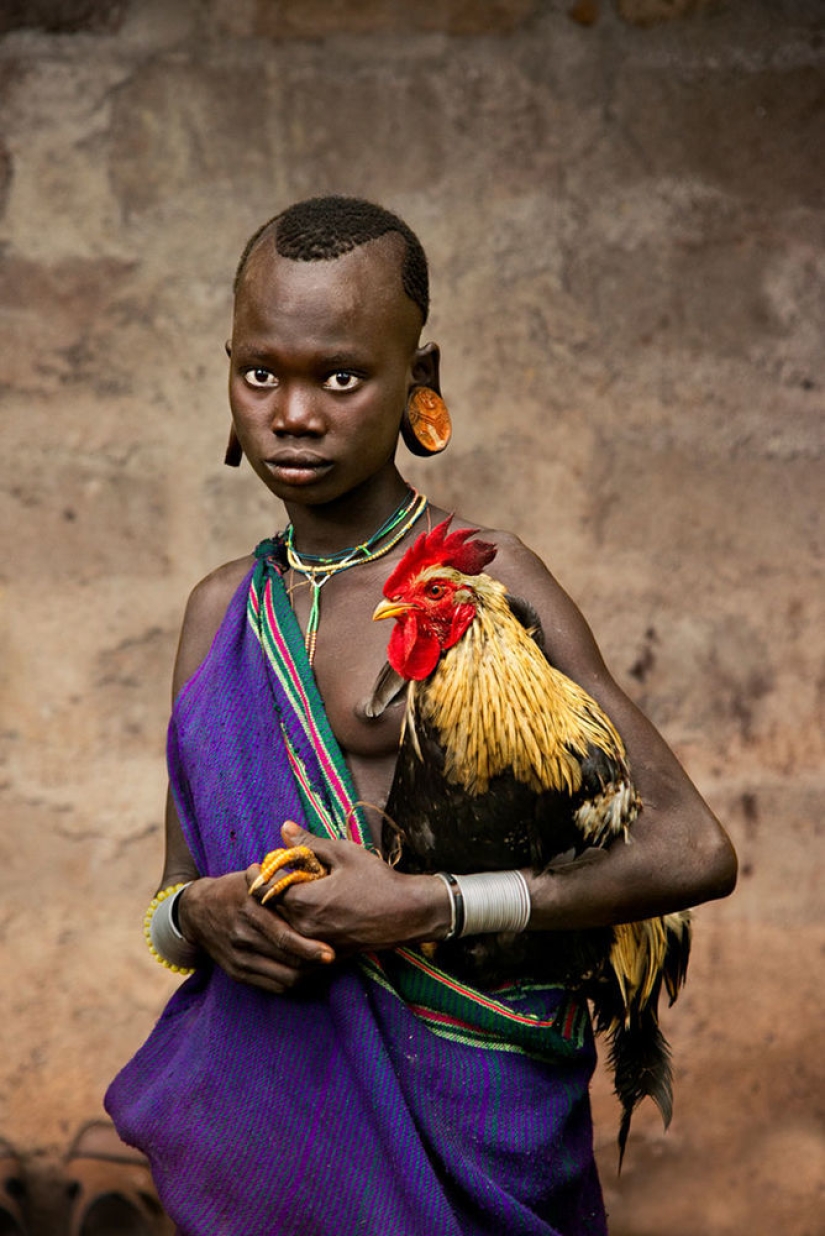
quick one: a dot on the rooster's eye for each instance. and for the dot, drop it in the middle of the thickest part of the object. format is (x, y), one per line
(435, 591)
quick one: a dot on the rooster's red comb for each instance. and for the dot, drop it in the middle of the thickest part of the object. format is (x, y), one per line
(453, 549)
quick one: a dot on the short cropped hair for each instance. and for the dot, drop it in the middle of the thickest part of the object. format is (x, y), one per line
(322, 228)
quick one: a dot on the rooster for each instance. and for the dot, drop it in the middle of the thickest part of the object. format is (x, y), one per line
(504, 763)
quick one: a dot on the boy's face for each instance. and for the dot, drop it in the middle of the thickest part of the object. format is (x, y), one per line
(320, 368)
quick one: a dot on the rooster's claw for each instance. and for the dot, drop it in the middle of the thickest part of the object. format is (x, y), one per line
(303, 866)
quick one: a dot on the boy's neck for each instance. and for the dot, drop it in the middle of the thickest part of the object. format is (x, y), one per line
(350, 520)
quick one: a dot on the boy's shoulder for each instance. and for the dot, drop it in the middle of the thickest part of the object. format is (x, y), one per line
(518, 567)
(567, 638)
(205, 611)
(216, 589)
(508, 544)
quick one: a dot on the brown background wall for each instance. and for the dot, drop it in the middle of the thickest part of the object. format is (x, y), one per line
(623, 206)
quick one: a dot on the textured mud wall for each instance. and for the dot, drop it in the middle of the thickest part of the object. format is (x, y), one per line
(623, 205)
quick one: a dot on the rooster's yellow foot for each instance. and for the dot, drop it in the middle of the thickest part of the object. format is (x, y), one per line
(303, 866)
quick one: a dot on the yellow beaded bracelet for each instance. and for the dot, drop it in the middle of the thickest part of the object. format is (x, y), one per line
(186, 951)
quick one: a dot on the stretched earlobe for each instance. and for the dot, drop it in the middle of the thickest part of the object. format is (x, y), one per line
(425, 426)
(234, 450)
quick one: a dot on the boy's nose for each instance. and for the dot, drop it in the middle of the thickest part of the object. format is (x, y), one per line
(296, 412)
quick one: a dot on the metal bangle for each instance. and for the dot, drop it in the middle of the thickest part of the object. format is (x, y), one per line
(456, 904)
(493, 901)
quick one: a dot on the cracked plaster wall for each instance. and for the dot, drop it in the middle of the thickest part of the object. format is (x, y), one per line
(625, 219)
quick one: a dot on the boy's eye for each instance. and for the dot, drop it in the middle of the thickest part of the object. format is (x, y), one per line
(260, 377)
(342, 381)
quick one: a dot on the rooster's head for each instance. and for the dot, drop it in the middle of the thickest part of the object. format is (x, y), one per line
(431, 597)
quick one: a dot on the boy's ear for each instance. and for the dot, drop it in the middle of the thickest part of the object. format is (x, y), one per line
(426, 367)
(227, 347)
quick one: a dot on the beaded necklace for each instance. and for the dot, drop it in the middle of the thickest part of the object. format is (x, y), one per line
(318, 568)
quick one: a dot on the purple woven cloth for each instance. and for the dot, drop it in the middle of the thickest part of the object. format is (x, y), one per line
(336, 1110)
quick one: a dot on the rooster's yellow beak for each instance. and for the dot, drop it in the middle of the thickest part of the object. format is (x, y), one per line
(390, 609)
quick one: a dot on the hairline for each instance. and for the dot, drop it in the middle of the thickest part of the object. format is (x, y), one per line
(395, 259)
(269, 230)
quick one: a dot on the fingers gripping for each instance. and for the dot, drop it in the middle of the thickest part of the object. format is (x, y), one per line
(302, 866)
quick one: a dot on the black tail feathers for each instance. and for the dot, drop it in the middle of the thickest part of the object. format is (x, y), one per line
(676, 957)
(640, 1060)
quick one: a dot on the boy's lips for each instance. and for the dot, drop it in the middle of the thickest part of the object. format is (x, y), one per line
(297, 469)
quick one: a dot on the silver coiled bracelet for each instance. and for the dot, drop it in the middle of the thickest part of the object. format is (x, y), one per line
(489, 901)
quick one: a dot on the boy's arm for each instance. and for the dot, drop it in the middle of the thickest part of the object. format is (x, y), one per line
(678, 855)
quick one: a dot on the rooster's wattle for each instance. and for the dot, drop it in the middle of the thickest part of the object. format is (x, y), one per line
(505, 762)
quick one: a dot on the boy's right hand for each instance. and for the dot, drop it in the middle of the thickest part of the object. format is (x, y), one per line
(251, 942)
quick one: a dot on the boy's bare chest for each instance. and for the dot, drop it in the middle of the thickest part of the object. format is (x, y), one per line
(350, 651)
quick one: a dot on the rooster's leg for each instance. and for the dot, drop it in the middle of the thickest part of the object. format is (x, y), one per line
(303, 866)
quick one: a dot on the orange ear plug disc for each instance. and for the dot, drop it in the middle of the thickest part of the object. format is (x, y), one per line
(429, 419)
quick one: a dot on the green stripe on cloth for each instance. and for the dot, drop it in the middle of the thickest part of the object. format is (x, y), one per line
(544, 1021)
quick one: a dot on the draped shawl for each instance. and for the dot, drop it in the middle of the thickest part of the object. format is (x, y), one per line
(382, 1097)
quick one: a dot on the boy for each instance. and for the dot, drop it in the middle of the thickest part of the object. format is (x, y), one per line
(291, 1086)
